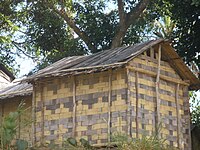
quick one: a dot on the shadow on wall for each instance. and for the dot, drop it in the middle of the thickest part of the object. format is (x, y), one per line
(195, 133)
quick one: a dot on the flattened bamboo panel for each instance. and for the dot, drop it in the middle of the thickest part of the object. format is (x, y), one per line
(11, 105)
(91, 105)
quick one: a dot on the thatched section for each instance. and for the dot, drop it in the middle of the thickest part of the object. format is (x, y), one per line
(128, 89)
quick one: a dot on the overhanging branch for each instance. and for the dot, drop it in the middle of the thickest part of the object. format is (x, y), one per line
(73, 25)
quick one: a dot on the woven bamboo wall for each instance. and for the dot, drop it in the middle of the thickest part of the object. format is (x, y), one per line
(92, 93)
(143, 97)
(10, 105)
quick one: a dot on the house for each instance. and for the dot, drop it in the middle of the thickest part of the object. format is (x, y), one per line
(5, 76)
(130, 89)
(10, 98)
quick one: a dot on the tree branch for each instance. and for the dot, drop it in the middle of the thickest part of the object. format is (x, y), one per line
(22, 51)
(127, 19)
(72, 25)
(135, 13)
(122, 14)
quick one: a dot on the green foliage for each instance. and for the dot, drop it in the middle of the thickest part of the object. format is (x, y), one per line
(21, 144)
(187, 33)
(124, 142)
(164, 28)
(195, 109)
(196, 2)
(72, 143)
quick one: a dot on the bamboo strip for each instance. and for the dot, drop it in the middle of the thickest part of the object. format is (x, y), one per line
(19, 125)
(153, 74)
(189, 117)
(109, 104)
(137, 98)
(178, 115)
(151, 52)
(74, 106)
(129, 122)
(157, 92)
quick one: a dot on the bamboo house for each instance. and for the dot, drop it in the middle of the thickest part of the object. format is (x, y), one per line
(127, 89)
(10, 98)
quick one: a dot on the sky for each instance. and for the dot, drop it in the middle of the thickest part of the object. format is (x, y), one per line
(26, 65)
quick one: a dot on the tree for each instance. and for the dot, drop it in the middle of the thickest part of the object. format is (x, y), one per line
(187, 31)
(164, 28)
(48, 28)
(127, 17)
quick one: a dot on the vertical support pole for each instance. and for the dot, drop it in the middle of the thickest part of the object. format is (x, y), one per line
(109, 103)
(129, 121)
(137, 99)
(187, 118)
(33, 114)
(42, 113)
(19, 121)
(178, 115)
(2, 107)
(157, 93)
(74, 106)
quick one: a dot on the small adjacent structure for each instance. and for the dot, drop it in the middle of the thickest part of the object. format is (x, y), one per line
(6, 76)
(10, 98)
(130, 89)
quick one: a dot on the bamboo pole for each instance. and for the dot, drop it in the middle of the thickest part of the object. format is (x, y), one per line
(109, 104)
(74, 106)
(137, 99)
(129, 116)
(178, 115)
(157, 92)
(33, 115)
(42, 113)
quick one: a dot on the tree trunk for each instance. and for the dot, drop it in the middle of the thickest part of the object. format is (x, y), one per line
(126, 20)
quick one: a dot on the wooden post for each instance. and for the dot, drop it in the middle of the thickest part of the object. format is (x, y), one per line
(178, 115)
(74, 106)
(109, 103)
(42, 113)
(129, 116)
(157, 93)
(137, 99)
(33, 115)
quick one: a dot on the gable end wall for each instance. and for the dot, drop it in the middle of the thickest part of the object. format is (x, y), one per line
(142, 85)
